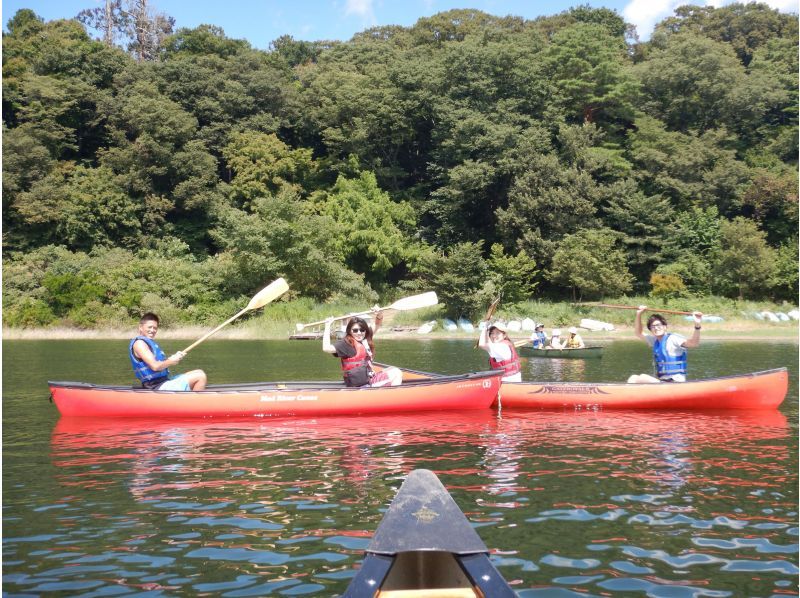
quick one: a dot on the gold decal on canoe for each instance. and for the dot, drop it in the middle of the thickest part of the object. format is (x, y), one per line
(279, 398)
(426, 515)
(569, 390)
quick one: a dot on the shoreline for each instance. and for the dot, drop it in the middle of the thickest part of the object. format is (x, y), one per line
(738, 331)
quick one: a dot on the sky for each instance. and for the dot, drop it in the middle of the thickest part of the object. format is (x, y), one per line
(262, 21)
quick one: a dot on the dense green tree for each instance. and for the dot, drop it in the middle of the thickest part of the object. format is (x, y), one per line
(592, 81)
(642, 222)
(459, 278)
(513, 275)
(744, 26)
(547, 202)
(745, 263)
(591, 264)
(373, 232)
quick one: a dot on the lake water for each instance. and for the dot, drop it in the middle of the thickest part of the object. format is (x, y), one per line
(662, 504)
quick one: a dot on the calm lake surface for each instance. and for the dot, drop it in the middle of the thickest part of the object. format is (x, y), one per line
(662, 504)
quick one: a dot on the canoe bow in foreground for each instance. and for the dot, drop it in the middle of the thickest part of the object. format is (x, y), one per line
(476, 390)
(426, 547)
(756, 391)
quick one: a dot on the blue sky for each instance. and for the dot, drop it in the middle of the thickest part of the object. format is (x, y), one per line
(262, 21)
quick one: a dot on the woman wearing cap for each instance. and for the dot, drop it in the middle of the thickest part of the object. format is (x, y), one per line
(555, 340)
(574, 341)
(356, 350)
(502, 354)
(539, 337)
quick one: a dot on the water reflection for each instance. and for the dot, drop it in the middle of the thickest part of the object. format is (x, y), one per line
(590, 501)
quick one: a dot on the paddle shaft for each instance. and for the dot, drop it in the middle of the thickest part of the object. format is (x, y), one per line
(663, 311)
(489, 314)
(413, 302)
(217, 329)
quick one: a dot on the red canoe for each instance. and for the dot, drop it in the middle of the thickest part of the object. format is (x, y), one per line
(274, 399)
(759, 390)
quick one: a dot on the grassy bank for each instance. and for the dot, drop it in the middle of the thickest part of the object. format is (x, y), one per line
(278, 321)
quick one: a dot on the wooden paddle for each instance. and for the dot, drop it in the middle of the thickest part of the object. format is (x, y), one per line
(266, 295)
(408, 303)
(663, 311)
(489, 314)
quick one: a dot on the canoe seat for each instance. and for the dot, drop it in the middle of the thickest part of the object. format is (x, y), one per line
(434, 574)
(438, 593)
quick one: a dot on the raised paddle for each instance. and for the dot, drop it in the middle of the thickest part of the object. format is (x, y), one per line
(663, 311)
(266, 295)
(408, 303)
(488, 316)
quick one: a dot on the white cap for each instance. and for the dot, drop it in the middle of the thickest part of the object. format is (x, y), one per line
(573, 330)
(538, 325)
(499, 325)
(556, 332)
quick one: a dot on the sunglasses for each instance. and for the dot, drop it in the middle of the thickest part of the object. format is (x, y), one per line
(357, 330)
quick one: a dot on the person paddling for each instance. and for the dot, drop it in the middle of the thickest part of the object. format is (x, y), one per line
(539, 337)
(151, 365)
(574, 341)
(502, 354)
(356, 350)
(669, 349)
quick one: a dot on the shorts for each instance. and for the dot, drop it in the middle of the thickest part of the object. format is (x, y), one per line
(378, 379)
(179, 382)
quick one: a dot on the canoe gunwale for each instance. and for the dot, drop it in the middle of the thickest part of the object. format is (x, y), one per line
(256, 387)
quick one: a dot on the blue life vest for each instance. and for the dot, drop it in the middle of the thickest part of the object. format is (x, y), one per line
(140, 368)
(540, 341)
(667, 365)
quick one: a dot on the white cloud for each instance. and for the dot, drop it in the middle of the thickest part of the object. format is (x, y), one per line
(646, 13)
(361, 8)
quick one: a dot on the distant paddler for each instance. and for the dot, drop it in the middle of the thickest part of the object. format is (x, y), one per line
(669, 348)
(502, 353)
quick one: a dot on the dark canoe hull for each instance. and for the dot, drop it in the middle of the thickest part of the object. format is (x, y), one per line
(426, 547)
(755, 391)
(585, 353)
(275, 399)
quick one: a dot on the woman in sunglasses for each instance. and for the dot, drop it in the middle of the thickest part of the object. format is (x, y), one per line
(356, 350)
(669, 349)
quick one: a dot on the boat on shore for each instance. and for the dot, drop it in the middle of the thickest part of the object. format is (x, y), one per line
(426, 547)
(583, 353)
(476, 390)
(755, 391)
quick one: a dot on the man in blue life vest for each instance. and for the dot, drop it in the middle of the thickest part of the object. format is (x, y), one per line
(539, 337)
(669, 349)
(150, 364)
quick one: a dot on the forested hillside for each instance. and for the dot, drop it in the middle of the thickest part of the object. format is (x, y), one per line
(467, 154)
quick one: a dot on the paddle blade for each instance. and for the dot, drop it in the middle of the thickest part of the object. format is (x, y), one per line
(268, 294)
(415, 302)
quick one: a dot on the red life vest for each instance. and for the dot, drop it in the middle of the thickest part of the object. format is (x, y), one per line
(361, 358)
(509, 366)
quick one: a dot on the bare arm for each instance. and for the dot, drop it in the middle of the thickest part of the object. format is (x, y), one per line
(142, 350)
(637, 324)
(694, 340)
(378, 319)
(326, 338)
(483, 340)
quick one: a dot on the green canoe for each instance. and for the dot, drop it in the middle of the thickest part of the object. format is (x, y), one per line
(585, 353)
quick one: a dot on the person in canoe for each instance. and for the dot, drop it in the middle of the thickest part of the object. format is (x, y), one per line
(555, 340)
(151, 365)
(502, 354)
(539, 337)
(669, 349)
(356, 350)
(574, 340)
